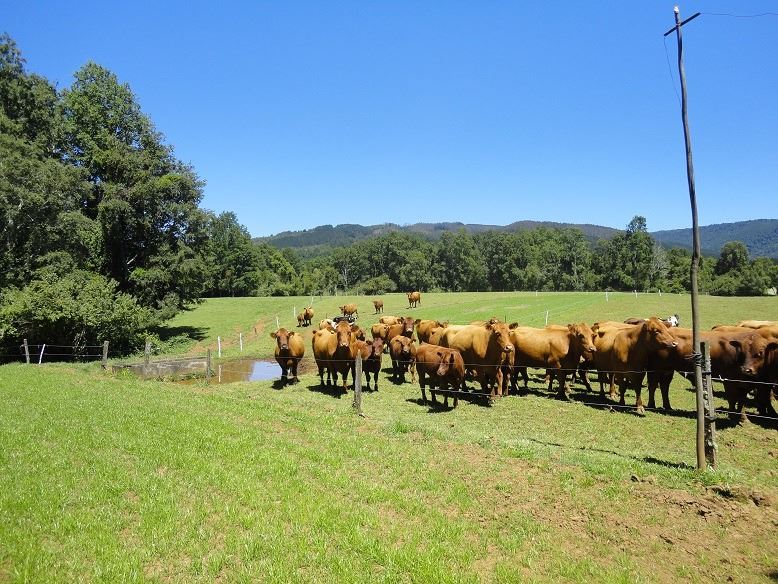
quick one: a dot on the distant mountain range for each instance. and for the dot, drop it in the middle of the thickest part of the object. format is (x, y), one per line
(759, 235)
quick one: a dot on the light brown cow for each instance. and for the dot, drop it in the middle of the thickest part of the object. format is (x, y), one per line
(437, 333)
(379, 331)
(402, 350)
(308, 316)
(288, 352)
(424, 328)
(349, 309)
(389, 319)
(327, 323)
(321, 352)
(485, 350)
(557, 349)
(414, 299)
(378, 305)
(755, 324)
(404, 327)
(629, 352)
(440, 368)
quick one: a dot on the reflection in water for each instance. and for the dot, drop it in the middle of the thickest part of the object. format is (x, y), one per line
(243, 370)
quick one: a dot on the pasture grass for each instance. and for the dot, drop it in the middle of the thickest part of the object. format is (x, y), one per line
(109, 478)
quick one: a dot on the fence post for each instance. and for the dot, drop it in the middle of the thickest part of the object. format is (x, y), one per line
(710, 408)
(278, 325)
(358, 384)
(208, 367)
(606, 296)
(546, 317)
(240, 338)
(26, 352)
(660, 292)
(147, 353)
(219, 346)
(105, 355)
(40, 358)
(636, 294)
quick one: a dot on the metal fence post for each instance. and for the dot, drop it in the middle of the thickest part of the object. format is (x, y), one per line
(710, 407)
(358, 384)
(43, 348)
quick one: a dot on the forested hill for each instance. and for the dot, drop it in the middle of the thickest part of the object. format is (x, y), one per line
(759, 235)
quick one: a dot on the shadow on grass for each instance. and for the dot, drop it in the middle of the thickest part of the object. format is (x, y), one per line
(335, 391)
(194, 333)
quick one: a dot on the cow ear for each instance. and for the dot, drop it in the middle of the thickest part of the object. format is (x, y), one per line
(291, 333)
(417, 321)
(513, 325)
(735, 344)
(273, 335)
(595, 327)
(571, 328)
(439, 353)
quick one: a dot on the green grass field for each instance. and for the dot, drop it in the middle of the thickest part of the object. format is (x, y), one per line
(108, 478)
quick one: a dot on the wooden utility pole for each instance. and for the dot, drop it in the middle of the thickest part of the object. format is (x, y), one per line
(702, 418)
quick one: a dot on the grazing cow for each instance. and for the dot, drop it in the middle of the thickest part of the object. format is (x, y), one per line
(389, 319)
(485, 350)
(402, 350)
(755, 324)
(439, 368)
(414, 299)
(404, 327)
(378, 305)
(628, 353)
(308, 314)
(559, 350)
(349, 310)
(301, 319)
(289, 350)
(424, 329)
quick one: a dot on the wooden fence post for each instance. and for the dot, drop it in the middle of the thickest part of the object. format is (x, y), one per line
(358, 384)
(26, 352)
(147, 353)
(105, 354)
(219, 346)
(208, 367)
(240, 338)
(710, 408)
(40, 358)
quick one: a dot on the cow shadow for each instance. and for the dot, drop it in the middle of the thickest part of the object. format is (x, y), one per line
(334, 391)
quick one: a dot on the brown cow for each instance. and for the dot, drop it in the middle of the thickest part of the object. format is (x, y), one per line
(301, 319)
(484, 349)
(558, 349)
(321, 352)
(372, 363)
(405, 328)
(755, 324)
(379, 331)
(337, 356)
(327, 323)
(437, 333)
(402, 350)
(444, 368)
(424, 328)
(389, 320)
(414, 299)
(289, 351)
(349, 309)
(378, 305)
(308, 314)
(629, 352)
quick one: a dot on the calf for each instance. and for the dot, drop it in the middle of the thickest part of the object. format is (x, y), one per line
(349, 309)
(372, 364)
(288, 352)
(301, 319)
(402, 350)
(439, 368)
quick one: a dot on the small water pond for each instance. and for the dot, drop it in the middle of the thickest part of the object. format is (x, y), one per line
(244, 370)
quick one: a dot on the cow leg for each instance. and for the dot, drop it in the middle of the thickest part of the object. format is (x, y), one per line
(583, 374)
(525, 377)
(422, 384)
(295, 379)
(284, 374)
(764, 396)
(653, 381)
(622, 390)
(664, 386)
(641, 410)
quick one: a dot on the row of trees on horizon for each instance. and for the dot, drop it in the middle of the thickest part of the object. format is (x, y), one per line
(102, 236)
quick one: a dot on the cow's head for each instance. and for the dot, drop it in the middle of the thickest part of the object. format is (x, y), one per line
(501, 335)
(282, 337)
(755, 350)
(583, 337)
(445, 363)
(377, 347)
(343, 332)
(357, 333)
(405, 344)
(658, 334)
(407, 323)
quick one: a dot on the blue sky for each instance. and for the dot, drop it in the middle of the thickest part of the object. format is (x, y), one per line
(298, 114)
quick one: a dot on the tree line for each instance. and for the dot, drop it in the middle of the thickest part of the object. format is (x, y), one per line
(102, 235)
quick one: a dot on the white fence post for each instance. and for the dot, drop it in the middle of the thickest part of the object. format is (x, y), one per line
(40, 358)
(219, 346)
(606, 296)
(546, 317)
(240, 338)
(278, 326)
(636, 294)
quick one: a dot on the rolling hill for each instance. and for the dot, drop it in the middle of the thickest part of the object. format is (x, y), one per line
(759, 235)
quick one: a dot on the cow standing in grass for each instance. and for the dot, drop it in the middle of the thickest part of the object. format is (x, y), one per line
(288, 352)
(439, 368)
(414, 299)
(486, 349)
(379, 306)
(402, 350)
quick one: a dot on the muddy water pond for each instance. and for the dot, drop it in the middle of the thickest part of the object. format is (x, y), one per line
(247, 370)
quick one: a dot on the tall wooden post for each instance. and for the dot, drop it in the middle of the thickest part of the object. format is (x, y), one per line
(26, 352)
(358, 384)
(208, 367)
(105, 355)
(696, 251)
(147, 353)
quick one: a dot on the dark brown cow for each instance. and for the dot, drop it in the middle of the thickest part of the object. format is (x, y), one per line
(378, 305)
(372, 363)
(405, 328)
(301, 319)
(349, 309)
(339, 350)
(440, 368)
(402, 350)
(485, 349)
(288, 352)
(414, 299)
(559, 350)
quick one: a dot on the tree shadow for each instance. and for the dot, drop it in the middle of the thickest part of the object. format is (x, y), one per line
(195, 333)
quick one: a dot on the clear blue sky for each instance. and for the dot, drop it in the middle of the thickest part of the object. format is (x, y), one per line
(303, 113)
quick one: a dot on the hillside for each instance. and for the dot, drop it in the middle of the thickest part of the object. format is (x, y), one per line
(759, 235)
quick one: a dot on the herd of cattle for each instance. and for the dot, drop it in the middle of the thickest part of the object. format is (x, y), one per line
(445, 356)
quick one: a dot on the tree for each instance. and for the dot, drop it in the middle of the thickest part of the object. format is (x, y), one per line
(733, 256)
(460, 264)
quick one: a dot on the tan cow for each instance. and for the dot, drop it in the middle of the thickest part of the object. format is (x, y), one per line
(321, 352)
(327, 323)
(378, 305)
(402, 350)
(440, 368)
(349, 309)
(755, 324)
(308, 316)
(404, 327)
(288, 352)
(379, 331)
(424, 328)
(414, 299)
(558, 349)
(389, 320)
(485, 349)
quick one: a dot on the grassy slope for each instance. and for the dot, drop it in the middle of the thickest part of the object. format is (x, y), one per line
(113, 479)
